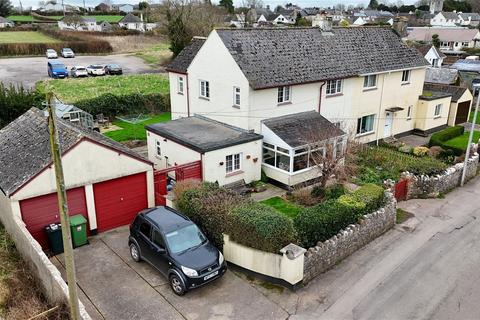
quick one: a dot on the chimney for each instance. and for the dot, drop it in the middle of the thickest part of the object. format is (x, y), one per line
(400, 26)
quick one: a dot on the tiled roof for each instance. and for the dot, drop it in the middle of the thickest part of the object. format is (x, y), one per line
(300, 129)
(474, 16)
(444, 34)
(425, 48)
(25, 147)
(441, 75)
(4, 20)
(455, 91)
(182, 61)
(273, 57)
(466, 65)
(450, 15)
(202, 134)
(130, 18)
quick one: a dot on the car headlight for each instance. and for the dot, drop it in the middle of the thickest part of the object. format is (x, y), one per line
(54, 72)
(220, 258)
(189, 272)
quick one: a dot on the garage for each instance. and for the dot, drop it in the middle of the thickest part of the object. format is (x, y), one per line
(462, 112)
(40, 211)
(117, 201)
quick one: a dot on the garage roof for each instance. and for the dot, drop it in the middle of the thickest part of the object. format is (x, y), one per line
(202, 134)
(25, 147)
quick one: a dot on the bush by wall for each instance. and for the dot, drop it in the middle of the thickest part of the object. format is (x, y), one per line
(438, 138)
(261, 227)
(14, 101)
(371, 195)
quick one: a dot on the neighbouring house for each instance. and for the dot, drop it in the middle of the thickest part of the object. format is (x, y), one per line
(54, 6)
(452, 40)
(432, 55)
(85, 24)
(5, 23)
(132, 22)
(103, 7)
(106, 182)
(467, 65)
(279, 18)
(127, 8)
(441, 75)
(445, 19)
(227, 153)
(370, 91)
(105, 26)
(371, 17)
(235, 20)
(461, 101)
(469, 19)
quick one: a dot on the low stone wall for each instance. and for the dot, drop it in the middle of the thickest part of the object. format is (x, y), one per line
(326, 254)
(431, 186)
(55, 288)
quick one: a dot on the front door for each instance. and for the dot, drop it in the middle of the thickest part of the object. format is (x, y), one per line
(388, 124)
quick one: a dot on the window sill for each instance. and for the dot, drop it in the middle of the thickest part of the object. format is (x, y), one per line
(408, 119)
(334, 95)
(204, 98)
(359, 135)
(236, 107)
(180, 93)
(436, 117)
(284, 103)
(405, 83)
(369, 89)
(234, 173)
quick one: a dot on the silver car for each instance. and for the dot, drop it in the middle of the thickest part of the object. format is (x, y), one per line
(95, 70)
(51, 54)
(78, 71)
(67, 53)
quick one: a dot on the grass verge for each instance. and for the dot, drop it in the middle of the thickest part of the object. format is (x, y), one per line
(131, 131)
(25, 37)
(403, 216)
(283, 206)
(157, 54)
(461, 141)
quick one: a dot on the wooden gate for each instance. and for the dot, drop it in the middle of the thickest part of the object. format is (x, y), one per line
(401, 188)
(192, 170)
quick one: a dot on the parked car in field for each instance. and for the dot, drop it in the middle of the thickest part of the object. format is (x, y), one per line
(176, 247)
(78, 71)
(95, 70)
(56, 69)
(113, 69)
(67, 53)
(51, 54)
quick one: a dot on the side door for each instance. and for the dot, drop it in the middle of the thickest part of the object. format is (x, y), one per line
(144, 234)
(161, 259)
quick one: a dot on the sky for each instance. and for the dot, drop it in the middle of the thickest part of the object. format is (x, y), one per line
(272, 3)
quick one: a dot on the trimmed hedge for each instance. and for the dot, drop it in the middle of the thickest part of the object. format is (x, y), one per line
(371, 195)
(14, 101)
(261, 227)
(438, 138)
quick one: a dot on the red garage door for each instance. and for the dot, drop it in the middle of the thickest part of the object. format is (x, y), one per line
(118, 201)
(40, 211)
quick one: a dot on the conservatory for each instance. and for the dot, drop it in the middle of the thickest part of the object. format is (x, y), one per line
(293, 143)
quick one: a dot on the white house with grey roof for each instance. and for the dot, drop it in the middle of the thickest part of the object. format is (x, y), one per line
(5, 23)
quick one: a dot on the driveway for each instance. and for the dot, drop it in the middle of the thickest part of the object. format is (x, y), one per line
(113, 286)
(27, 71)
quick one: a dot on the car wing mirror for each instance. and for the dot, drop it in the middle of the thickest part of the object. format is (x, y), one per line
(161, 250)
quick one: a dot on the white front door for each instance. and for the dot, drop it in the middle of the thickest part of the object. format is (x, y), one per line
(388, 124)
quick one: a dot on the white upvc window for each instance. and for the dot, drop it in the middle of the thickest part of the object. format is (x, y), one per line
(283, 94)
(405, 76)
(233, 162)
(334, 86)
(365, 124)
(236, 96)
(204, 89)
(409, 112)
(438, 111)
(158, 149)
(465, 44)
(370, 81)
(180, 85)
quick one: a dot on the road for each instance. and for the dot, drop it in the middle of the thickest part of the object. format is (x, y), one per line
(27, 71)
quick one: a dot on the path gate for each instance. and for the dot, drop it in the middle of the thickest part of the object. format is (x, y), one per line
(401, 188)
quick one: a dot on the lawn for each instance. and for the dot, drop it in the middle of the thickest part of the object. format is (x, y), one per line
(461, 141)
(74, 90)
(25, 37)
(131, 131)
(157, 54)
(471, 116)
(283, 206)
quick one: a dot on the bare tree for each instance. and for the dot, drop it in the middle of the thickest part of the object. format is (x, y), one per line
(75, 21)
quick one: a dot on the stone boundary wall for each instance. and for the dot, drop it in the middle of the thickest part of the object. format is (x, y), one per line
(431, 186)
(326, 254)
(54, 287)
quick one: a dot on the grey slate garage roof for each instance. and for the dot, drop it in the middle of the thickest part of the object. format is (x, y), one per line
(25, 147)
(300, 129)
(456, 91)
(202, 134)
(181, 62)
(274, 57)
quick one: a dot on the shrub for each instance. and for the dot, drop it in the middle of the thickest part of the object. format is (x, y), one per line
(14, 101)
(303, 197)
(334, 191)
(371, 195)
(261, 227)
(438, 138)
(209, 206)
(405, 149)
(180, 187)
(318, 191)
(435, 151)
(420, 151)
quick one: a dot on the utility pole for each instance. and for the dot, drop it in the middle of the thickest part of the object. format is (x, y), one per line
(470, 137)
(63, 209)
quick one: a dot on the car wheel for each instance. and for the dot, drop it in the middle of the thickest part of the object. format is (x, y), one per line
(135, 252)
(177, 285)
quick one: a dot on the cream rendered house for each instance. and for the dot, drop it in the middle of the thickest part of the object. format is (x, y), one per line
(360, 82)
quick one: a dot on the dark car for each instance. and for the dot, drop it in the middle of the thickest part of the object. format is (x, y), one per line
(113, 69)
(56, 69)
(176, 247)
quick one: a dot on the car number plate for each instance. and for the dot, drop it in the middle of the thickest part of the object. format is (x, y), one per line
(211, 275)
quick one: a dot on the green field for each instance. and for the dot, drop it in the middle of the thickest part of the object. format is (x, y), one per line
(74, 90)
(131, 131)
(461, 141)
(109, 18)
(157, 54)
(25, 37)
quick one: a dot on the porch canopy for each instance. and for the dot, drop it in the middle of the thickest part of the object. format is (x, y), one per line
(289, 141)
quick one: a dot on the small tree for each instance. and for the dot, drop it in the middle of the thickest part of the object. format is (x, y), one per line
(344, 23)
(75, 21)
(435, 41)
(5, 8)
(227, 4)
(373, 4)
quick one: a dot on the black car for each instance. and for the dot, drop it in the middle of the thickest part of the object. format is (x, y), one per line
(176, 247)
(113, 69)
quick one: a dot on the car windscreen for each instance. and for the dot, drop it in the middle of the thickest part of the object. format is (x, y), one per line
(185, 238)
(58, 66)
(96, 67)
(113, 66)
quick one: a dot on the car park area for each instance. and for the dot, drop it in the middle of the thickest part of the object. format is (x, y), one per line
(28, 71)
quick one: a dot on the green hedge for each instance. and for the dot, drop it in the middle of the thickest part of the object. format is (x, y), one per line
(438, 138)
(14, 101)
(261, 227)
(372, 195)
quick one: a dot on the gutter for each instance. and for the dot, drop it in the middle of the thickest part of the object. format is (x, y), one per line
(320, 97)
(188, 95)
(380, 107)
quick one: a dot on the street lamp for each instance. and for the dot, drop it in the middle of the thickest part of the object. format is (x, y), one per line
(470, 138)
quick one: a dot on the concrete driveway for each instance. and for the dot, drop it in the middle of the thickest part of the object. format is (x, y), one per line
(27, 71)
(113, 286)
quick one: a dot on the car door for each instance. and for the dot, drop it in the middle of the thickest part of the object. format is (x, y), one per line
(160, 254)
(144, 233)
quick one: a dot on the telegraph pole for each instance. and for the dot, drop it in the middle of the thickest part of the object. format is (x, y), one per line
(63, 209)
(470, 137)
